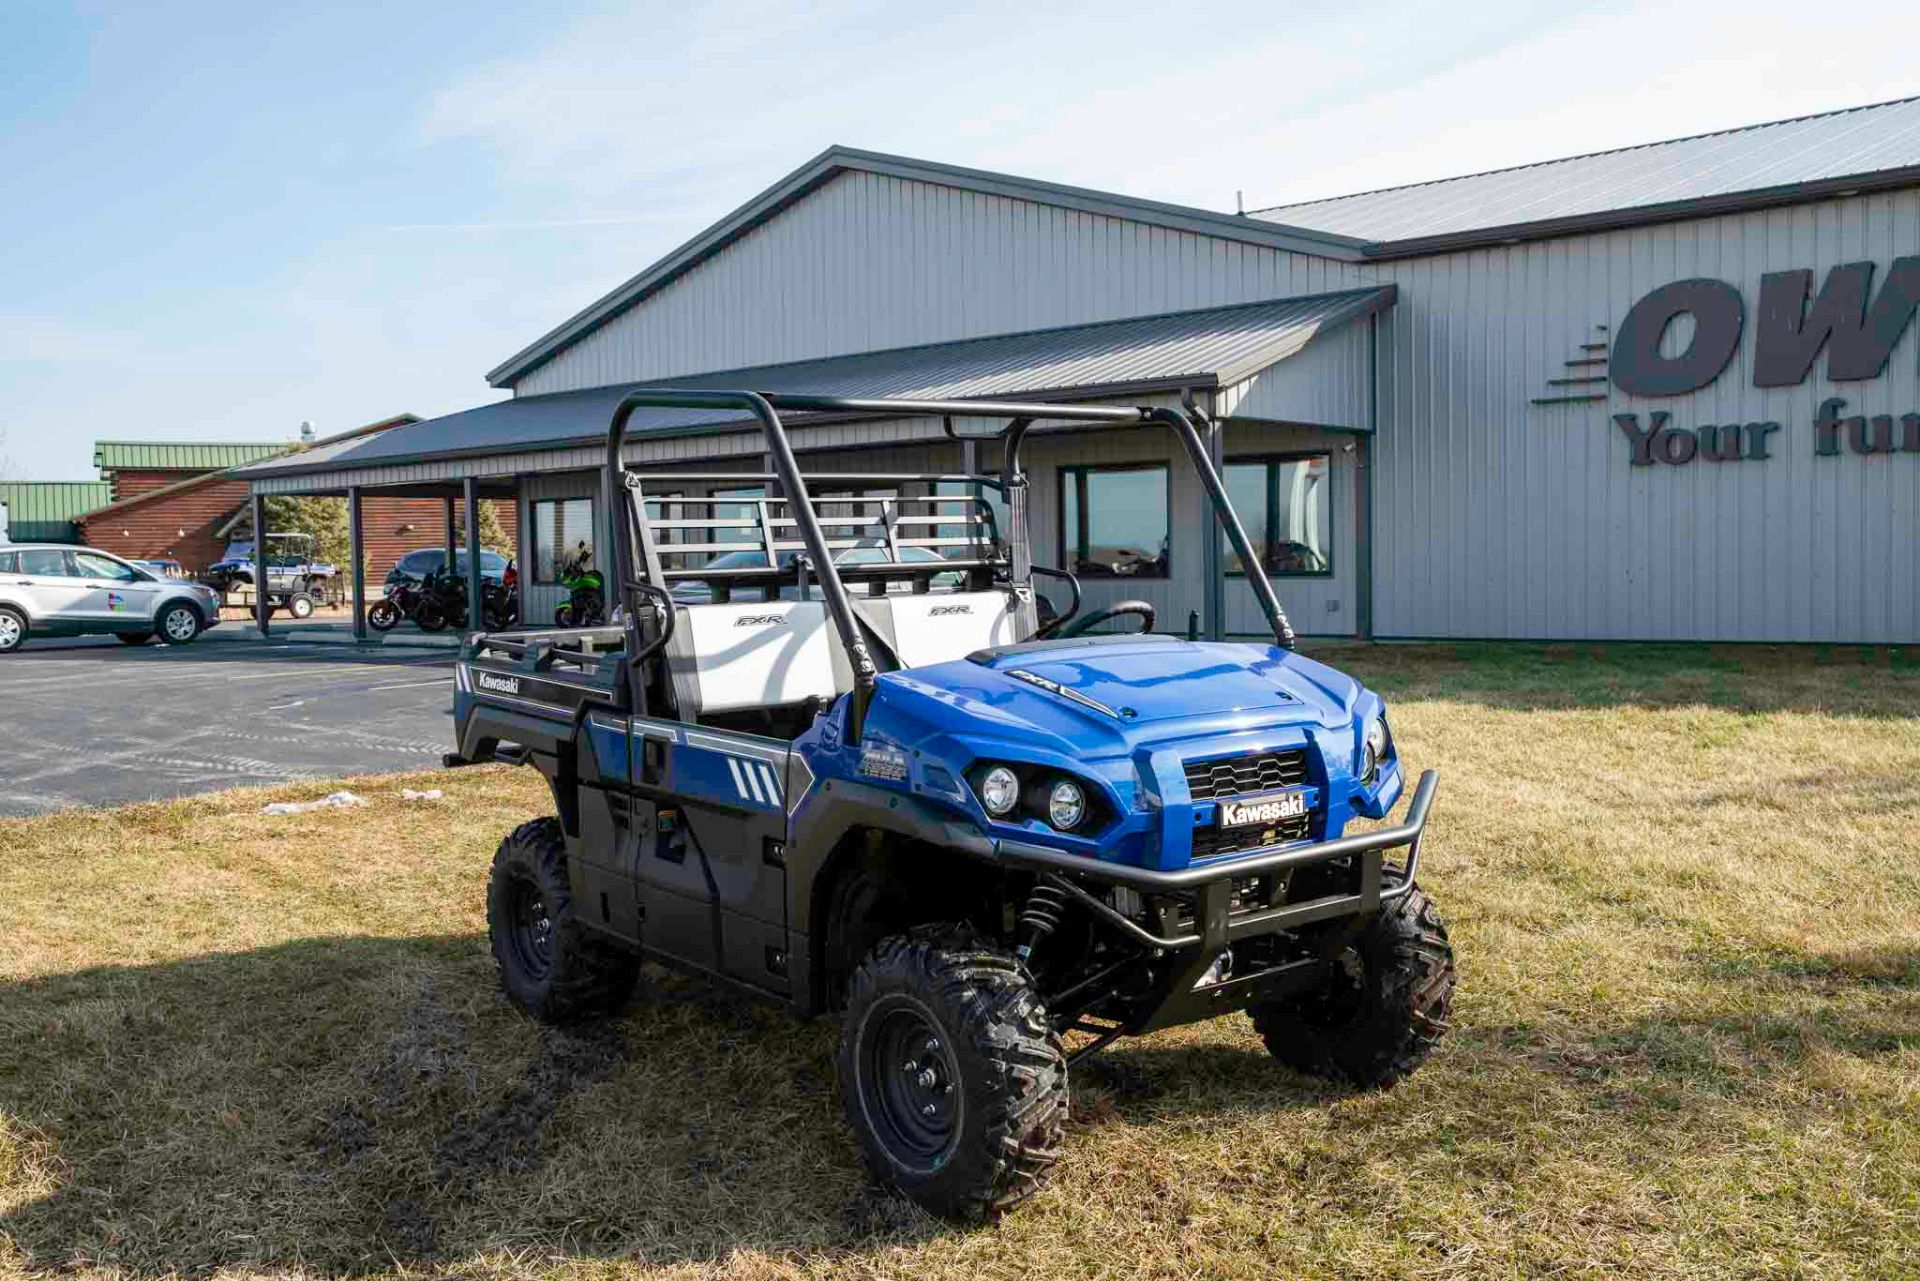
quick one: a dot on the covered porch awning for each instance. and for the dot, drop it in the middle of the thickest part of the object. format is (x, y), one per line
(1226, 350)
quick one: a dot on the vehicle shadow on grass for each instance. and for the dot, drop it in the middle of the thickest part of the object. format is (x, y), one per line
(345, 1105)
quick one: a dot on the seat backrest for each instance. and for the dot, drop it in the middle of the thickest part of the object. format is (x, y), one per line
(939, 627)
(776, 653)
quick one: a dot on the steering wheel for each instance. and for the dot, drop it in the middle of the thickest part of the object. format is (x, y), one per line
(1140, 609)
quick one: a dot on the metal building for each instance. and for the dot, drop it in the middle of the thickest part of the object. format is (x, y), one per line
(1667, 392)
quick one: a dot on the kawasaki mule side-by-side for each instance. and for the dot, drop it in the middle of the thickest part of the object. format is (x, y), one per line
(880, 785)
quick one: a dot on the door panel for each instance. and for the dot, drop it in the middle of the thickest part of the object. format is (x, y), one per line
(712, 876)
(114, 595)
(48, 588)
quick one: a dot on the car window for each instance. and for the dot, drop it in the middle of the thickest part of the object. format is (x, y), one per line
(9, 562)
(45, 561)
(89, 565)
(420, 562)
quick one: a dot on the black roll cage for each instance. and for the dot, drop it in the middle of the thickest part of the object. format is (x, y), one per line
(765, 407)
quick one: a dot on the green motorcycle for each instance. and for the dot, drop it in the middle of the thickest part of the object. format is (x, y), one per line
(586, 604)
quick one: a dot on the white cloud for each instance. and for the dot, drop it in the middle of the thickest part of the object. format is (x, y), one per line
(678, 114)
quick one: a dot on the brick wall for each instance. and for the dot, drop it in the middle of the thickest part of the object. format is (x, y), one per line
(128, 483)
(182, 526)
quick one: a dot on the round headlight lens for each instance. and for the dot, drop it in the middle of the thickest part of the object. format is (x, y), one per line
(1375, 749)
(1000, 790)
(1066, 805)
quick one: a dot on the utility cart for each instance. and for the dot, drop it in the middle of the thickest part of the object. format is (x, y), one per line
(834, 755)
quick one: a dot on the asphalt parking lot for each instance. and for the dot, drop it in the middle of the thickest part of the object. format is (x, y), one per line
(92, 722)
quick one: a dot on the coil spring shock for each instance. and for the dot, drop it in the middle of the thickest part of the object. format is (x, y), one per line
(1046, 904)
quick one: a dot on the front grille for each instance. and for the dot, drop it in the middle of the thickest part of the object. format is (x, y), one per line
(1246, 775)
(1211, 841)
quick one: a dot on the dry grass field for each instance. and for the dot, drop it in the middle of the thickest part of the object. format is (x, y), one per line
(1684, 885)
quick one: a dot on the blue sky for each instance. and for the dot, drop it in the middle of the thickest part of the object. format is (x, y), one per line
(218, 220)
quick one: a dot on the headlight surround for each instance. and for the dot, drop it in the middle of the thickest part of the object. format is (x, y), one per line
(999, 791)
(1066, 804)
(1375, 746)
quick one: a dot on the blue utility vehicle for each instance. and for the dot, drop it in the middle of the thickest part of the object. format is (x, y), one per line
(886, 786)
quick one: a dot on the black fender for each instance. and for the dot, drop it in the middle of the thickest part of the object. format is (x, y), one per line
(843, 807)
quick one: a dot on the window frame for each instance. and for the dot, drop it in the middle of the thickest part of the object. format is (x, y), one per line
(1077, 473)
(129, 573)
(1263, 537)
(551, 579)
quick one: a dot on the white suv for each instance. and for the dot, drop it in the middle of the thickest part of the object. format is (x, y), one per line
(49, 590)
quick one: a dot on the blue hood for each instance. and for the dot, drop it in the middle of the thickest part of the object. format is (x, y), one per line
(1156, 688)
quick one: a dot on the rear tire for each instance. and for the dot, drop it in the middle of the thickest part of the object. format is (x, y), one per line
(13, 629)
(179, 624)
(431, 617)
(1385, 1009)
(952, 1077)
(134, 638)
(549, 964)
(300, 605)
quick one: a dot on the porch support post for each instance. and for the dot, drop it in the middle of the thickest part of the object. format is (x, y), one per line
(449, 563)
(260, 607)
(470, 503)
(357, 552)
(1215, 593)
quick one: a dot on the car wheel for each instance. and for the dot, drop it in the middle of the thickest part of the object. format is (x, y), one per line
(300, 605)
(179, 624)
(953, 1079)
(134, 638)
(13, 629)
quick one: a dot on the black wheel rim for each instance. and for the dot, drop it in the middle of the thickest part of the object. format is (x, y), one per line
(912, 1085)
(1341, 1001)
(529, 929)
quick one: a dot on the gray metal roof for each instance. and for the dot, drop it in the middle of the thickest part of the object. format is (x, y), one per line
(1212, 347)
(837, 160)
(1828, 148)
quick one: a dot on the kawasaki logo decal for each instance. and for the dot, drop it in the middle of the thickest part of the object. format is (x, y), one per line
(1262, 810)
(498, 684)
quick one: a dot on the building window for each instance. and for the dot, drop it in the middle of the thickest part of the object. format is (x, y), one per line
(562, 534)
(1113, 521)
(1286, 505)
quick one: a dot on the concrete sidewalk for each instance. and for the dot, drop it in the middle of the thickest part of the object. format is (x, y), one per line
(331, 628)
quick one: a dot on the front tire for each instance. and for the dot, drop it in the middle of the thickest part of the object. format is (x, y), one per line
(1384, 1008)
(179, 624)
(383, 616)
(13, 629)
(952, 1077)
(549, 964)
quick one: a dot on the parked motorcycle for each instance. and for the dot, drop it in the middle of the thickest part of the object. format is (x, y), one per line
(443, 603)
(402, 599)
(586, 604)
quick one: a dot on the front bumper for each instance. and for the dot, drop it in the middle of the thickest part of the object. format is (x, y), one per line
(1215, 923)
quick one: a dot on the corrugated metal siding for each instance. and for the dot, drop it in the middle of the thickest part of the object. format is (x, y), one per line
(1500, 518)
(42, 511)
(869, 262)
(1835, 145)
(1326, 385)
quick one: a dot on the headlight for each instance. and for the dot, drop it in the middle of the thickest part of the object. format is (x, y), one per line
(1066, 805)
(1374, 750)
(999, 790)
